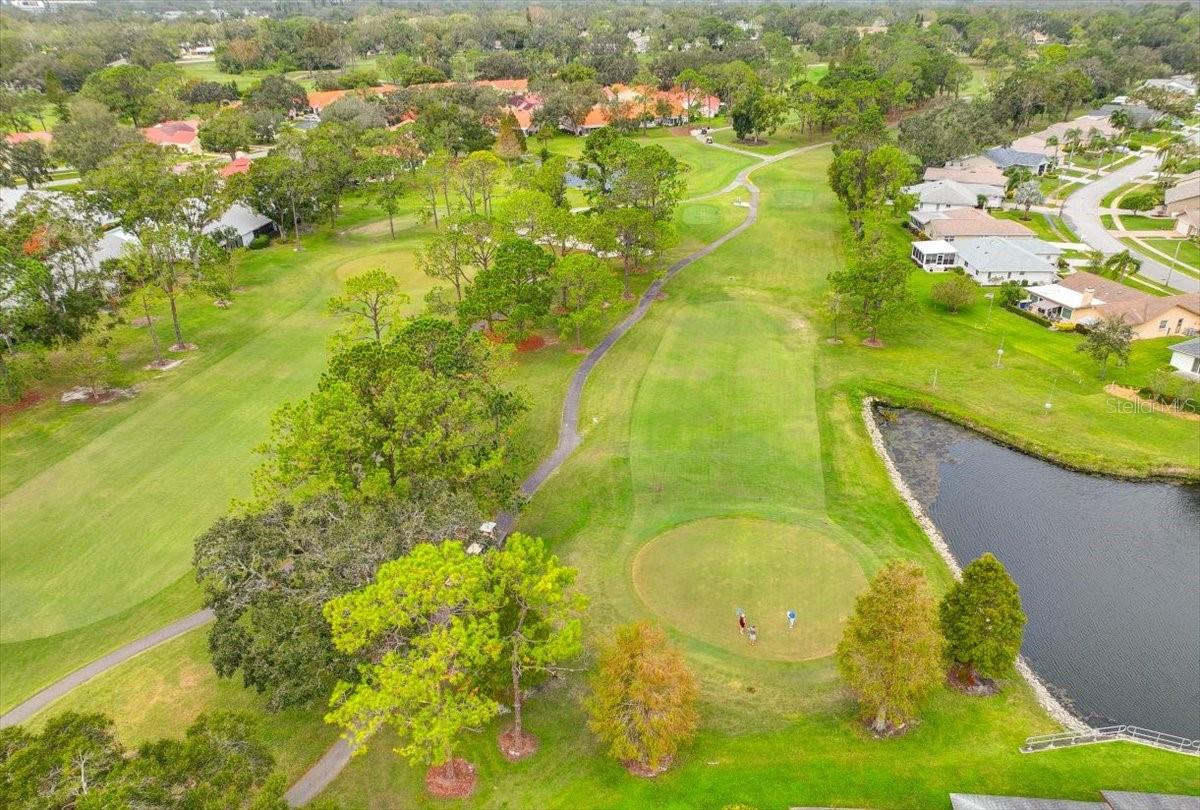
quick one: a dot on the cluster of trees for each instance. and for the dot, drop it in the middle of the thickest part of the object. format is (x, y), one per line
(868, 174)
(900, 642)
(527, 259)
(77, 760)
(56, 291)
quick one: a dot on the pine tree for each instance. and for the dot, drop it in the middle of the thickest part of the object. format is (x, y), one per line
(539, 622)
(982, 620)
(510, 144)
(643, 699)
(890, 652)
(427, 635)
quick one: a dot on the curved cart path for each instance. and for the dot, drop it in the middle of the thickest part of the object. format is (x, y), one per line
(331, 763)
(23, 711)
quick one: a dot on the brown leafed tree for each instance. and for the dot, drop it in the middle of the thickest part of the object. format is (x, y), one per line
(643, 703)
(890, 652)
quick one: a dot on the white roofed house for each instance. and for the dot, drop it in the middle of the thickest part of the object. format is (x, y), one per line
(940, 195)
(238, 226)
(934, 255)
(1185, 358)
(993, 260)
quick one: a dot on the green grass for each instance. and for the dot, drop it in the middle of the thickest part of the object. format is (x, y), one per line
(708, 170)
(725, 402)
(1189, 251)
(981, 77)
(816, 71)
(1168, 261)
(1107, 221)
(1044, 226)
(161, 692)
(1111, 198)
(83, 488)
(1135, 222)
(209, 72)
(786, 137)
(695, 576)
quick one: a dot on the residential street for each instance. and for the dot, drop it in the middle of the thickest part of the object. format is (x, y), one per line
(1082, 213)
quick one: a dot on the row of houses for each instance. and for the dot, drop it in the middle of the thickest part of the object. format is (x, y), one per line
(957, 232)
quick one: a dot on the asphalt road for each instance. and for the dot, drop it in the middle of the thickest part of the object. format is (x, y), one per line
(1082, 213)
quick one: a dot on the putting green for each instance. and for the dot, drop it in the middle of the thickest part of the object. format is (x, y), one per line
(696, 576)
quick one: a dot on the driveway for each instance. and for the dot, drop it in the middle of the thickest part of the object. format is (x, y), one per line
(1082, 213)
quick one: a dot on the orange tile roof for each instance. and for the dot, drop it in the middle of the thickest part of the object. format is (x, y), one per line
(512, 85)
(177, 133)
(524, 117)
(320, 99)
(597, 117)
(238, 166)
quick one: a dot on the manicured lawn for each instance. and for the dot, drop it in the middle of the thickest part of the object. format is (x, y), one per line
(786, 137)
(1113, 197)
(1107, 221)
(695, 576)
(84, 487)
(1188, 251)
(1135, 222)
(1168, 261)
(159, 694)
(709, 170)
(1044, 226)
(726, 403)
(208, 71)
(981, 77)
(816, 71)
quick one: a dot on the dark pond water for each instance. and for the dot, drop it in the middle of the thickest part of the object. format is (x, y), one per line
(1109, 570)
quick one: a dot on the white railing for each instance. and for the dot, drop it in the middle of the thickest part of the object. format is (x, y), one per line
(1134, 734)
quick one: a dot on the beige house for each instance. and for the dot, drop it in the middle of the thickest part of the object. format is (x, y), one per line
(959, 222)
(976, 169)
(1183, 202)
(1085, 298)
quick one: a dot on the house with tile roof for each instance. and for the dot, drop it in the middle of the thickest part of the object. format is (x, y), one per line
(1182, 201)
(181, 135)
(953, 223)
(971, 170)
(41, 136)
(1085, 298)
(1005, 157)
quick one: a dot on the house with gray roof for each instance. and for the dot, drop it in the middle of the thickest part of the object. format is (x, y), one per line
(939, 195)
(1005, 157)
(1109, 800)
(993, 260)
(1185, 358)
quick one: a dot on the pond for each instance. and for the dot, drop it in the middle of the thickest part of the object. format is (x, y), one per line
(1109, 570)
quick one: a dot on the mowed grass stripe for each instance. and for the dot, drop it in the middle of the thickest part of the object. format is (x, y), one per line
(721, 424)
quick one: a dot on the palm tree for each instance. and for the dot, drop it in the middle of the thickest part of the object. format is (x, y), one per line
(1122, 264)
(1095, 262)
(1121, 120)
(1053, 141)
(1073, 136)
